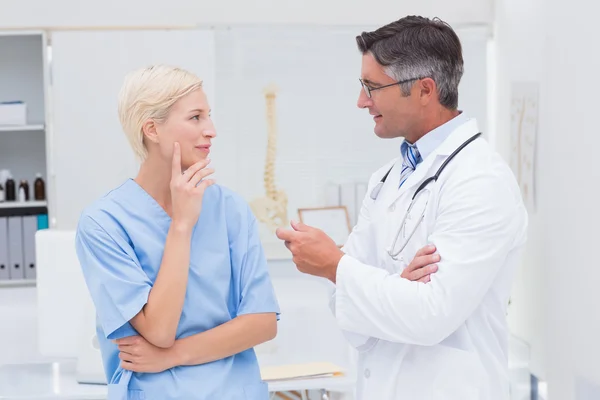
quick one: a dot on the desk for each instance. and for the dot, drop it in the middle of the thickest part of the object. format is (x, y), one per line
(56, 381)
(343, 384)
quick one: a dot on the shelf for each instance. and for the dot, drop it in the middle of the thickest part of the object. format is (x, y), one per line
(21, 128)
(17, 283)
(23, 204)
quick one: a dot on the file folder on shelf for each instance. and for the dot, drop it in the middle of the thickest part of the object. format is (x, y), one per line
(4, 262)
(30, 225)
(15, 247)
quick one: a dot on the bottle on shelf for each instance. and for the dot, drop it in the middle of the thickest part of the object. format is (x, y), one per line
(23, 191)
(11, 190)
(39, 188)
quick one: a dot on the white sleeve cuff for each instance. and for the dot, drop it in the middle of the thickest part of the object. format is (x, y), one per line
(358, 341)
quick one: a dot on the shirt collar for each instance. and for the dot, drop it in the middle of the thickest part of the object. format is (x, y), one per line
(428, 143)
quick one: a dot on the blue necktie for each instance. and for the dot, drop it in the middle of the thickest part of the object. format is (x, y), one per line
(410, 159)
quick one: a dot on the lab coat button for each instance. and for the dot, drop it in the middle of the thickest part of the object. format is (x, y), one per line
(392, 208)
(367, 373)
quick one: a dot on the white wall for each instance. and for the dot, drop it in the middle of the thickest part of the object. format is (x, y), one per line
(556, 295)
(571, 214)
(518, 42)
(69, 13)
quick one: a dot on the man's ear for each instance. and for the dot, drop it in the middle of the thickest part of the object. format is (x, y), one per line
(149, 130)
(427, 90)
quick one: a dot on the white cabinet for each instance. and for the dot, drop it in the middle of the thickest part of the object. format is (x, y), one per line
(23, 78)
(23, 149)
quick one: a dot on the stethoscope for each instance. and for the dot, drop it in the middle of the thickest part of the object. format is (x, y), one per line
(434, 178)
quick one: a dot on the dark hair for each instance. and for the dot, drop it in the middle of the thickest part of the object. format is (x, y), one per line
(416, 47)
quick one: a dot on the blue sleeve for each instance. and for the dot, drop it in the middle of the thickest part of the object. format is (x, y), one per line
(256, 292)
(117, 284)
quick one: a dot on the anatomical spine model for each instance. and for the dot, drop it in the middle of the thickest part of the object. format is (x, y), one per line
(272, 208)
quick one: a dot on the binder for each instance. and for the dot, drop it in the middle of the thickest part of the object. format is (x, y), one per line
(42, 221)
(30, 224)
(15, 247)
(4, 265)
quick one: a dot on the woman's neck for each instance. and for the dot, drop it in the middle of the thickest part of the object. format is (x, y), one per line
(154, 177)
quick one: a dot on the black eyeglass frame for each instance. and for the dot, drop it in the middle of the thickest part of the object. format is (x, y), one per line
(368, 89)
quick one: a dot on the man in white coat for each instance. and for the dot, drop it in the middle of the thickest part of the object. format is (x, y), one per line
(443, 336)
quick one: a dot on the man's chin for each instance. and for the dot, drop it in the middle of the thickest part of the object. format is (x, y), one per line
(383, 133)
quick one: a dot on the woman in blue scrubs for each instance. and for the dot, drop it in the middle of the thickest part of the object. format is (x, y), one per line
(173, 261)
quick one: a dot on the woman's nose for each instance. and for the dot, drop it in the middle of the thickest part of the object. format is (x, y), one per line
(210, 133)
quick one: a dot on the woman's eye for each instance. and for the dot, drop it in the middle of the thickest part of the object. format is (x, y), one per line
(196, 117)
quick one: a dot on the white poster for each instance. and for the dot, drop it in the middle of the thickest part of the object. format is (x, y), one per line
(524, 126)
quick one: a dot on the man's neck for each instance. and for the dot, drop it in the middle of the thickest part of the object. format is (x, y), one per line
(438, 119)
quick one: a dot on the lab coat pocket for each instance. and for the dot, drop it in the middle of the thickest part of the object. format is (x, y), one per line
(120, 391)
(461, 377)
(257, 391)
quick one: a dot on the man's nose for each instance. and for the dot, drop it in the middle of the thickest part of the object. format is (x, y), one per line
(363, 100)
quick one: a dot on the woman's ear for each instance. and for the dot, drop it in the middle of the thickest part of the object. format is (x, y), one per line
(149, 130)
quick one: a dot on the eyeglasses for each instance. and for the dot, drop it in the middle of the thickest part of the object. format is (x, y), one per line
(368, 89)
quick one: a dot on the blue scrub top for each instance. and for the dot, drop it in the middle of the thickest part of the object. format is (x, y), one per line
(120, 241)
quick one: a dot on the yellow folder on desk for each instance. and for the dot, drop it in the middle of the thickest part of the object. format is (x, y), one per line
(300, 371)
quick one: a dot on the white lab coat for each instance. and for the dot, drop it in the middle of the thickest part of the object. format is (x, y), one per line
(447, 339)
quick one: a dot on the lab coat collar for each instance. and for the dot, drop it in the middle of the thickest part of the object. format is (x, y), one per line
(433, 139)
(458, 136)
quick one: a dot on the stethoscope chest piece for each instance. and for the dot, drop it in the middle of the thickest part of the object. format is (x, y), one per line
(376, 190)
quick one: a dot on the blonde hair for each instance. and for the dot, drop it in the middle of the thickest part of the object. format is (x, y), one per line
(149, 93)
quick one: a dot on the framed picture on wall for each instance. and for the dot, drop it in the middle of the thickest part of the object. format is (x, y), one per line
(334, 221)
